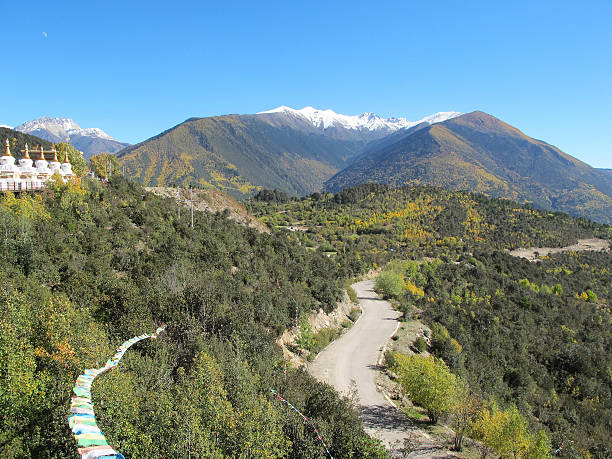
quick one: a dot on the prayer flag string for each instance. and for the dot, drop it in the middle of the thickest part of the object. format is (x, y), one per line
(303, 418)
(82, 421)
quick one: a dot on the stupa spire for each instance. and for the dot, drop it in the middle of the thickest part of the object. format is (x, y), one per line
(66, 157)
(8, 148)
(26, 152)
(54, 152)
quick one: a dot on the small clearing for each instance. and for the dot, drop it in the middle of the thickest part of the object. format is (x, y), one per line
(535, 254)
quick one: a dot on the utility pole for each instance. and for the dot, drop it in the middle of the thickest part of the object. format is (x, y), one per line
(191, 199)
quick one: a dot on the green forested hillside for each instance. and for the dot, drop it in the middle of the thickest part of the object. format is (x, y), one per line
(239, 154)
(18, 140)
(479, 153)
(533, 335)
(87, 266)
(378, 221)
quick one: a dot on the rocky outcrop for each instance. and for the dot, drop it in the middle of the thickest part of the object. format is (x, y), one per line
(318, 321)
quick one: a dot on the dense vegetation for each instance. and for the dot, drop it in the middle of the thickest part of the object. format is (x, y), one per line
(376, 222)
(532, 340)
(87, 266)
(479, 152)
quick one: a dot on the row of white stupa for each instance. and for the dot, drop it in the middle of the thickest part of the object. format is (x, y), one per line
(29, 176)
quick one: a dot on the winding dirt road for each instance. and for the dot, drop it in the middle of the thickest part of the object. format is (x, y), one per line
(350, 362)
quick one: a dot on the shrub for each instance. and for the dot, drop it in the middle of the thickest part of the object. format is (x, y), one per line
(390, 359)
(305, 339)
(323, 338)
(420, 344)
(351, 292)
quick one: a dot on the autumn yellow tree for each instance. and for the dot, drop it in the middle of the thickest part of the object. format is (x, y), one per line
(507, 433)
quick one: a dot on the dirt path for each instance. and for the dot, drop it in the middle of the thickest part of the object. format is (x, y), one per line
(351, 363)
(535, 253)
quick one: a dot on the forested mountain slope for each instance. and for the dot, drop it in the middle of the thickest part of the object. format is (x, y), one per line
(17, 141)
(239, 154)
(536, 335)
(87, 266)
(480, 153)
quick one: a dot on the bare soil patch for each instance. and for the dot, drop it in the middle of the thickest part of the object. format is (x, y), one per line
(535, 254)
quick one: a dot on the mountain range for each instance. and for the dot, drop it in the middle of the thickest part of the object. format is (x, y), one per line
(292, 150)
(367, 126)
(90, 141)
(309, 150)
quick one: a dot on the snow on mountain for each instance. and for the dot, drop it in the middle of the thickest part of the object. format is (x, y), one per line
(6, 126)
(324, 119)
(90, 141)
(61, 128)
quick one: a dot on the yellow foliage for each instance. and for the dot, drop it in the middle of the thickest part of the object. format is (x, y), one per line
(413, 289)
(29, 207)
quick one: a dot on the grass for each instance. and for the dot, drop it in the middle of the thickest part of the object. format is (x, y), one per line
(414, 413)
(351, 293)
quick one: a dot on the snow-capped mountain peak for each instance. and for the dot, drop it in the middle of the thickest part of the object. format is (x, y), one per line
(61, 128)
(324, 119)
(90, 141)
(6, 126)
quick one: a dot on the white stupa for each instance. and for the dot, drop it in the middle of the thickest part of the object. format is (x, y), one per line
(43, 172)
(26, 171)
(30, 175)
(9, 172)
(54, 165)
(66, 168)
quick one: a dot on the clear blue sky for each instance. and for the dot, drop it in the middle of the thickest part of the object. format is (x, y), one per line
(136, 68)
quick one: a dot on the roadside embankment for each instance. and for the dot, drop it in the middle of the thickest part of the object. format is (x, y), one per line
(319, 321)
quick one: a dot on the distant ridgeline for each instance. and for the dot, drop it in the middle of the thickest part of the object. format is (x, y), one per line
(480, 153)
(241, 154)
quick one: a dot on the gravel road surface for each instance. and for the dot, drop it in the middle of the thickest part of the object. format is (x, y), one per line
(350, 363)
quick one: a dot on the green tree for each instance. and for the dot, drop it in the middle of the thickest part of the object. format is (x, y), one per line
(390, 284)
(428, 382)
(465, 411)
(79, 164)
(103, 163)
